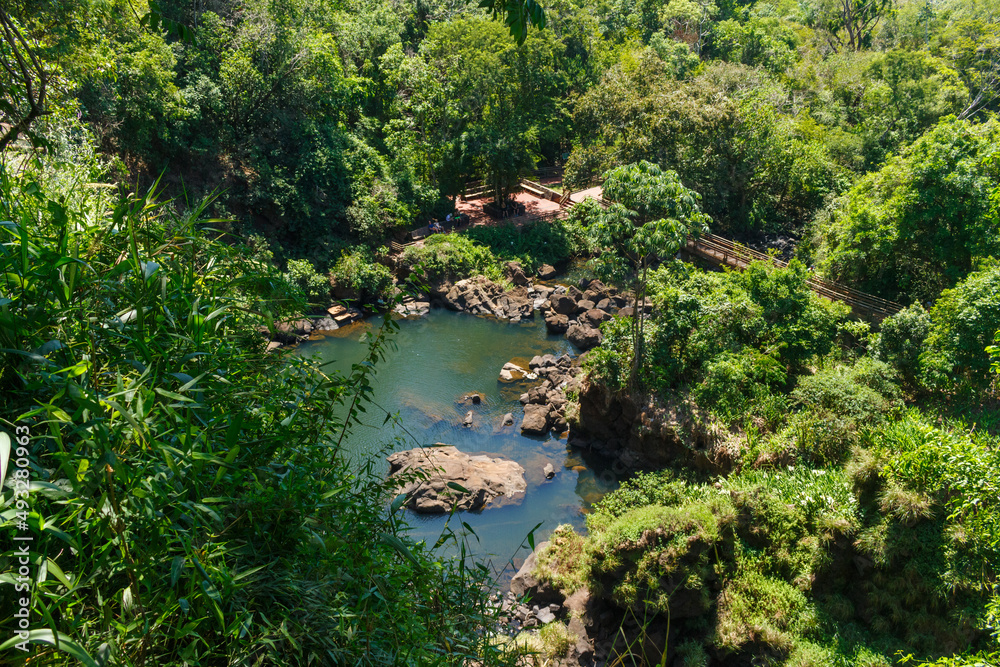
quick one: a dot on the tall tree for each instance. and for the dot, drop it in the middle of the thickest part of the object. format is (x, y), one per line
(651, 217)
(850, 23)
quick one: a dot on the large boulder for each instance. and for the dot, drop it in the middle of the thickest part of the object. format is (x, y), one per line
(596, 290)
(536, 419)
(425, 473)
(594, 317)
(556, 323)
(563, 304)
(584, 337)
(516, 303)
(293, 331)
(476, 294)
(546, 272)
(514, 272)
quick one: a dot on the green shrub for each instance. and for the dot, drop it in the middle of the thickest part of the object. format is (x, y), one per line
(565, 564)
(737, 385)
(534, 243)
(453, 256)
(649, 488)
(864, 392)
(901, 339)
(963, 323)
(838, 402)
(610, 362)
(755, 608)
(314, 286)
(652, 556)
(358, 270)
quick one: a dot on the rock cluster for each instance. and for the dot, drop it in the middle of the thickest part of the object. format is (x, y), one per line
(574, 311)
(481, 296)
(295, 331)
(531, 603)
(429, 477)
(600, 633)
(578, 314)
(545, 404)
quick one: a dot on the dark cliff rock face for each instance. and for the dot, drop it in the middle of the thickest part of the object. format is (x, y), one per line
(640, 432)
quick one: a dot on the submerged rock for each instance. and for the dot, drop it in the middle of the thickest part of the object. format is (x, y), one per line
(471, 398)
(425, 475)
(512, 372)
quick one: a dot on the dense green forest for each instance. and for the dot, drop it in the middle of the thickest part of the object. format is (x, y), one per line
(177, 177)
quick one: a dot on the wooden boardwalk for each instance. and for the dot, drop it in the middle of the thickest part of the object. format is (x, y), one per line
(721, 251)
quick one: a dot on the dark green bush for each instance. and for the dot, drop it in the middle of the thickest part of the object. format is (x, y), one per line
(963, 323)
(901, 339)
(737, 385)
(315, 286)
(453, 256)
(865, 392)
(360, 272)
(534, 243)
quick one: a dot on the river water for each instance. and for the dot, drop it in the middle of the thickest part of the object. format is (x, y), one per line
(437, 359)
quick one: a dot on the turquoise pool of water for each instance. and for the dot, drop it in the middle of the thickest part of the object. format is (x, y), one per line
(434, 361)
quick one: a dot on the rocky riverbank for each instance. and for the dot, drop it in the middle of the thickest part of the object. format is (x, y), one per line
(640, 432)
(575, 312)
(292, 332)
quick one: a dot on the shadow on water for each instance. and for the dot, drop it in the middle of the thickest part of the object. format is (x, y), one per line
(437, 360)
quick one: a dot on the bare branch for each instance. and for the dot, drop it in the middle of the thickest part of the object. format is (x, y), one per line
(25, 72)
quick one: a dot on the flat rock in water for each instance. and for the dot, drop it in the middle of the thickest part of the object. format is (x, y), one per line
(487, 480)
(512, 372)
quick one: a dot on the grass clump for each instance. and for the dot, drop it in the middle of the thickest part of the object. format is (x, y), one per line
(565, 563)
(754, 608)
(656, 557)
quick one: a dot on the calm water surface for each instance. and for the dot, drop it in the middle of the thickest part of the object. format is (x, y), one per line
(436, 360)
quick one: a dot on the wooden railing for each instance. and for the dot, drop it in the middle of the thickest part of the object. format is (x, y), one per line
(540, 190)
(719, 250)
